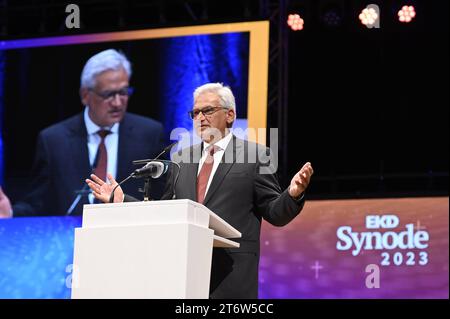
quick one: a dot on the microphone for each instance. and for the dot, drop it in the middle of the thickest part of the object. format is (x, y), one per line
(144, 161)
(153, 168)
(167, 148)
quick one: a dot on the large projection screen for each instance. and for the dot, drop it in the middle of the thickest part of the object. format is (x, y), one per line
(258, 55)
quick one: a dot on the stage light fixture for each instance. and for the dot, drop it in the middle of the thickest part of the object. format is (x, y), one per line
(295, 22)
(332, 18)
(406, 14)
(370, 16)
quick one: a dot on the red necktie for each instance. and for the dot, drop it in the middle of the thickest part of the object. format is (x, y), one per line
(205, 172)
(102, 156)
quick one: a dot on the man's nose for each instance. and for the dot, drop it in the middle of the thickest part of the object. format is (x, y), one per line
(116, 101)
(203, 117)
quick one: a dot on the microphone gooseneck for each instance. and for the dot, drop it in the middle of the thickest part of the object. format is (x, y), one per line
(111, 197)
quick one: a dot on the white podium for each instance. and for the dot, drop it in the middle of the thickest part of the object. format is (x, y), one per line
(156, 249)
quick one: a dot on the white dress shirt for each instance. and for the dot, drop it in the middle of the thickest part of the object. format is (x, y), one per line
(111, 143)
(222, 146)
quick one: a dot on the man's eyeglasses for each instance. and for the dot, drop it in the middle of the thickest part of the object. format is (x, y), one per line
(207, 111)
(109, 95)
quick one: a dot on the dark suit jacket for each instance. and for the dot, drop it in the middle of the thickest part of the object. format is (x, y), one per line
(242, 196)
(62, 163)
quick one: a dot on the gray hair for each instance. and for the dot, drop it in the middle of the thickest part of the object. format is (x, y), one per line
(101, 62)
(226, 97)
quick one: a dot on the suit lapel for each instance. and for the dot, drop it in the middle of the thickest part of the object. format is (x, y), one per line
(125, 152)
(79, 158)
(79, 150)
(233, 148)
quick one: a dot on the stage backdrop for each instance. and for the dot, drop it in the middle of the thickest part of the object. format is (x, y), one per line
(377, 248)
(40, 79)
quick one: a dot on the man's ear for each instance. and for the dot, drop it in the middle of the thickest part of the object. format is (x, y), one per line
(230, 116)
(84, 96)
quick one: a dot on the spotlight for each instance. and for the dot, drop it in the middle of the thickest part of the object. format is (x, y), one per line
(295, 22)
(406, 14)
(370, 16)
(332, 18)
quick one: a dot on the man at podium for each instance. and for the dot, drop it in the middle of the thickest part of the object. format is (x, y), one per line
(227, 175)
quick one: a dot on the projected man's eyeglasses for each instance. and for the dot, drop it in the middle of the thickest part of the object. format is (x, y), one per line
(109, 95)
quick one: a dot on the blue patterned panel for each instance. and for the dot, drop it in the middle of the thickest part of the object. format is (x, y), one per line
(36, 255)
(191, 61)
